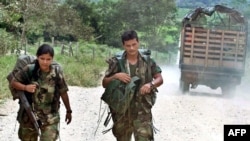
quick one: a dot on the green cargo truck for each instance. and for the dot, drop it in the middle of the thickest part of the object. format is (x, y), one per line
(213, 44)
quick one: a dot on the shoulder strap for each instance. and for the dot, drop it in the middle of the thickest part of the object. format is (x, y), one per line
(149, 67)
(147, 58)
(56, 99)
(30, 71)
(121, 62)
(57, 73)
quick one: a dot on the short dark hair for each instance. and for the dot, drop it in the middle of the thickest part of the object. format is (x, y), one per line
(44, 49)
(129, 35)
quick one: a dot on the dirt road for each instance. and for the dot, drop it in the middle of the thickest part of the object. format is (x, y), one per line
(196, 116)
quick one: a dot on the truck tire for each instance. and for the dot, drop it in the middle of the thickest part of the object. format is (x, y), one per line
(184, 86)
(228, 90)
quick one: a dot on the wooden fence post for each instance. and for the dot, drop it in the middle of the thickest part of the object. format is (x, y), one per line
(53, 41)
(77, 51)
(70, 49)
(62, 50)
(93, 53)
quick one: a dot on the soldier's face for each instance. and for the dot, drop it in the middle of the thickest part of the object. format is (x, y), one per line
(131, 46)
(44, 62)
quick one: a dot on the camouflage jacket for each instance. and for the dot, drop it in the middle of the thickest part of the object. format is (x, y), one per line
(42, 99)
(141, 70)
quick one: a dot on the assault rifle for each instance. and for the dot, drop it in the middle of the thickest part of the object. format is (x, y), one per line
(29, 111)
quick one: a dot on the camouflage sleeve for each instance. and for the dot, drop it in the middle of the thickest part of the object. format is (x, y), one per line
(22, 76)
(112, 68)
(62, 85)
(155, 68)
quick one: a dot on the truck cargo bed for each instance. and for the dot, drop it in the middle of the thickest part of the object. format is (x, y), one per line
(213, 48)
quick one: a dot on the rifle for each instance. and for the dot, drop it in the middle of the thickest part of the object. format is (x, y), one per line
(29, 111)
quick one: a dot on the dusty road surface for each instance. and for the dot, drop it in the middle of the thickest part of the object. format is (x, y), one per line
(196, 116)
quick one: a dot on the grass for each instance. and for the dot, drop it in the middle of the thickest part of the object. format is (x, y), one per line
(6, 65)
(81, 70)
(84, 69)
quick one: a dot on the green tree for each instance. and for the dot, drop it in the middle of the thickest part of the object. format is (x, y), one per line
(33, 14)
(10, 16)
(149, 17)
(10, 25)
(33, 19)
(65, 24)
(86, 14)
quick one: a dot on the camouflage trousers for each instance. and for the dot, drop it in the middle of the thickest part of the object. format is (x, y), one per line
(27, 132)
(139, 123)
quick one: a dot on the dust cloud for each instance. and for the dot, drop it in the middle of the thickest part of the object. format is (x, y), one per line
(171, 76)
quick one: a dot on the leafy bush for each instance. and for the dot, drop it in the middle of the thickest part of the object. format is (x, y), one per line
(8, 42)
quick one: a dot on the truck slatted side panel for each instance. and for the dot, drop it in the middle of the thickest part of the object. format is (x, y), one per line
(214, 48)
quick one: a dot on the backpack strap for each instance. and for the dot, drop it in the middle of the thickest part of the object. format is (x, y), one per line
(30, 71)
(147, 59)
(56, 99)
(121, 62)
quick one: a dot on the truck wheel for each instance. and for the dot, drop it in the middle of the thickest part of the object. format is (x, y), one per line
(228, 90)
(184, 86)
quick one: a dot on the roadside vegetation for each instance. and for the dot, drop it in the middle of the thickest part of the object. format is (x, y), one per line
(84, 69)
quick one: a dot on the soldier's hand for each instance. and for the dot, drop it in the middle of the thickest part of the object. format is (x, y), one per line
(30, 88)
(68, 118)
(145, 89)
(124, 77)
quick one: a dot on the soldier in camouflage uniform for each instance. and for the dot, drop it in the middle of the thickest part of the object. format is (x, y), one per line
(138, 118)
(40, 91)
